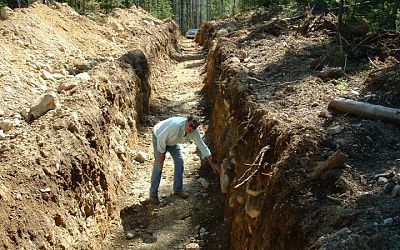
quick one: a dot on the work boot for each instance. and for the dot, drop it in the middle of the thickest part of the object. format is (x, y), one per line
(154, 200)
(181, 194)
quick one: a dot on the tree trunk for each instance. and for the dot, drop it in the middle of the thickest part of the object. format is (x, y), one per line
(340, 19)
(221, 12)
(396, 7)
(200, 11)
(181, 15)
(188, 14)
(207, 10)
(197, 10)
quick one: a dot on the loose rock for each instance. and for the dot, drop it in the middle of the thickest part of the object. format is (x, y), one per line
(204, 182)
(48, 102)
(141, 157)
(130, 234)
(334, 130)
(6, 125)
(5, 13)
(192, 246)
(83, 76)
(396, 191)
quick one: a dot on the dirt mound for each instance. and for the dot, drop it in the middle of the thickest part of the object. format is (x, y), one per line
(70, 106)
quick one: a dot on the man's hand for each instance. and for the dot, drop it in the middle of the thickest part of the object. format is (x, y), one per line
(213, 165)
(215, 168)
(161, 159)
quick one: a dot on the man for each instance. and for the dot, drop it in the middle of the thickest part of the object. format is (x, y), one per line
(166, 136)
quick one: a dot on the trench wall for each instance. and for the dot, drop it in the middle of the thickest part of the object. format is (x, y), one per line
(109, 127)
(78, 154)
(259, 152)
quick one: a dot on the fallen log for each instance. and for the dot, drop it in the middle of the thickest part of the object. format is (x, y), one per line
(366, 110)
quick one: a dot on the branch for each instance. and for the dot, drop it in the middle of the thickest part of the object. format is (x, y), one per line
(259, 158)
(248, 178)
(373, 64)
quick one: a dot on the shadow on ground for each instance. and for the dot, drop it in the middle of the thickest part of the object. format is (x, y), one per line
(136, 220)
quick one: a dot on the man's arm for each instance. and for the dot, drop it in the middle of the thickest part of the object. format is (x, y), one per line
(205, 151)
(161, 145)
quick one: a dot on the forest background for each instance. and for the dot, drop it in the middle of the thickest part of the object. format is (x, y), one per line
(378, 15)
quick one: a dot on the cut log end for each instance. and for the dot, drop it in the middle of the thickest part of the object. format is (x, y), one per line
(336, 161)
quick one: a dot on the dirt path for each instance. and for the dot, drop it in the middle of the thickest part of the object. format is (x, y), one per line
(175, 223)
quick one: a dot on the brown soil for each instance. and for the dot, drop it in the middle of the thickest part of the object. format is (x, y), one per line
(69, 179)
(270, 118)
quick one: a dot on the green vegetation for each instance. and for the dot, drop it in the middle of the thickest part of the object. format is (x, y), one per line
(373, 16)
(337, 56)
(398, 22)
(342, 87)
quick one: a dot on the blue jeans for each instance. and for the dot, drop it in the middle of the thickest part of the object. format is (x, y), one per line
(176, 154)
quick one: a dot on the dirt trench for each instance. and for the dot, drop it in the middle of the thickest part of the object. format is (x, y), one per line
(267, 123)
(175, 223)
(68, 177)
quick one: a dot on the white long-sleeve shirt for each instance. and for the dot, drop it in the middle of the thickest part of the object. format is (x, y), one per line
(172, 131)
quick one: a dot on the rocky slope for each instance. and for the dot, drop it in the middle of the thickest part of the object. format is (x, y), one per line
(73, 91)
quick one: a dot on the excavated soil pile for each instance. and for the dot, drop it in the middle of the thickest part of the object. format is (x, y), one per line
(297, 174)
(72, 92)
